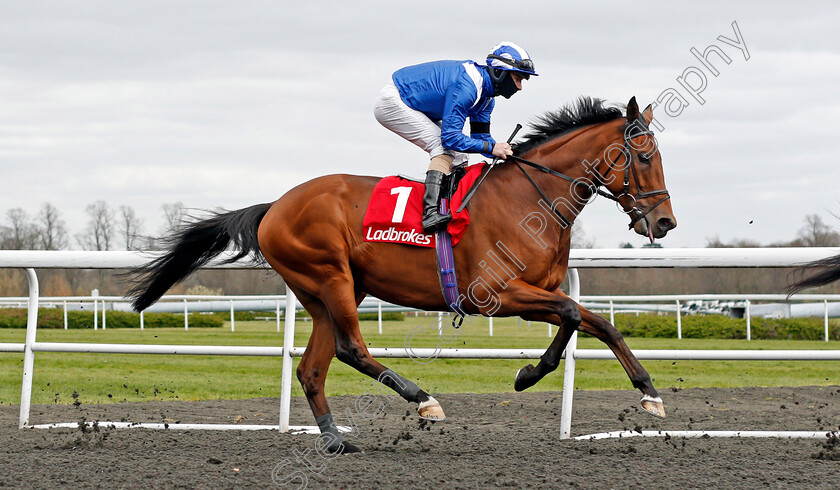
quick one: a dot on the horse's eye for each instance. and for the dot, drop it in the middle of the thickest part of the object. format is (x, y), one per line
(644, 158)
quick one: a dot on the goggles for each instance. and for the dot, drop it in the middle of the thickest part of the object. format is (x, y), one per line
(525, 66)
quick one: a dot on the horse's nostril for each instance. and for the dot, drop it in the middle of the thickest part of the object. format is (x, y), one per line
(666, 224)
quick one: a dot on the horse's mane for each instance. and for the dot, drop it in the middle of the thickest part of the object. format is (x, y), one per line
(584, 111)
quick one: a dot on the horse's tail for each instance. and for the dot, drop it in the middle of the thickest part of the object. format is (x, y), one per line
(194, 245)
(822, 272)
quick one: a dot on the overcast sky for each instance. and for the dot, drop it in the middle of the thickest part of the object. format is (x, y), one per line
(227, 104)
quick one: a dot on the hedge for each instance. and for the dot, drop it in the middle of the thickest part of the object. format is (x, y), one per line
(239, 316)
(54, 318)
(722, 327)
(387, 316)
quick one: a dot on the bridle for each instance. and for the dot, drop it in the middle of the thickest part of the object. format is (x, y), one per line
(631, 209)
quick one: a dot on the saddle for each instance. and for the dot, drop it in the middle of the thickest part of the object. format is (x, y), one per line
(395, 210)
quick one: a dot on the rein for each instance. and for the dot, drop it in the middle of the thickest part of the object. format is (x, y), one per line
(632, 210)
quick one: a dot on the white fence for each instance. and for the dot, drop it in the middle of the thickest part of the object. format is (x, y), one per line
(779, 257)
(186, 304)
(679, 300)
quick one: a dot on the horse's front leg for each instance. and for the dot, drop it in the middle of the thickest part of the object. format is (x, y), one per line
(535, 304)
(607, 333)
(530, 374)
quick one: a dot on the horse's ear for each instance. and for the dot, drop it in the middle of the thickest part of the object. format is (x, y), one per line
(632, 110)
(648, 113)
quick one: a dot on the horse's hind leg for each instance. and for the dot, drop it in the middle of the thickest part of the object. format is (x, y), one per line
(342, 302)
(312, 373)
(607, 333)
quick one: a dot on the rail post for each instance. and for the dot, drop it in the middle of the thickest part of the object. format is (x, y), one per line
(612, 313)
(232, 327)
(286, 374)
(749, 332)
(95, 293)
(491, 326)
(28, 353)
(826, 319)
(569, 365)
(379, 315)
(679, 321)
(186, 316)
(142, 320)
(65, 316)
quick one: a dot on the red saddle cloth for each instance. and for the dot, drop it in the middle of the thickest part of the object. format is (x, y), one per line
(396, 208)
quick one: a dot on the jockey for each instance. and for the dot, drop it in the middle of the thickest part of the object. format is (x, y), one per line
(429, 103)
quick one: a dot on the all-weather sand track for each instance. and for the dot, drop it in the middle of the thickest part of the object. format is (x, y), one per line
(503, 439)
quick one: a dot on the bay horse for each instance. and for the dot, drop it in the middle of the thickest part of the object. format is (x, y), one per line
(312, 237)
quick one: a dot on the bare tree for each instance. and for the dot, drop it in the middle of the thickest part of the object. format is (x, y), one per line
(815, 233)
(100, 227)
(52, 229)
(714, 242)
(174, 215)
(22, 234)
(130, 226)
(734, 243)
(579, 238)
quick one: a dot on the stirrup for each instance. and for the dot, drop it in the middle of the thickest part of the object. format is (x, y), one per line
(434, 222)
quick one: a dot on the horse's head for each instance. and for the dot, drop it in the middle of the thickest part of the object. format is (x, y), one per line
(593, 146)
(637, 179)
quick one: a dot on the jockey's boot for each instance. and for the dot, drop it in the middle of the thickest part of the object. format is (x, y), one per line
(432, 219)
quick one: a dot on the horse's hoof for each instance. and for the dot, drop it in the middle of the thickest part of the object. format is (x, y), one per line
(520, 381)
(653, 406)
(347, 448)
(335, 444)
(431, 410)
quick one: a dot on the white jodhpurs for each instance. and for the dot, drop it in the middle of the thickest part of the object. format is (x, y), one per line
(412, 125)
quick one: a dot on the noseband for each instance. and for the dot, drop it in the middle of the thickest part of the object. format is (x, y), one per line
(630, 209)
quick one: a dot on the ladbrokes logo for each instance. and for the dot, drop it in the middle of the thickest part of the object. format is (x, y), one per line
(393, 235)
